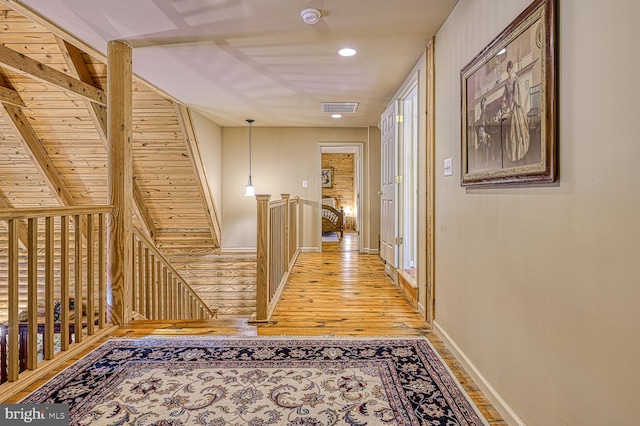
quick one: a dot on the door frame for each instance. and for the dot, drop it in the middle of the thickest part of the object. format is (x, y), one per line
(430, 178)
(358, 150)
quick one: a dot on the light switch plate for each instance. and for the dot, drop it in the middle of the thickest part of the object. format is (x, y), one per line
(448, 166)
(305, 183)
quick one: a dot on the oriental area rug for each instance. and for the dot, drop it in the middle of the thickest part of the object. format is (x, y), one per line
(261, 381)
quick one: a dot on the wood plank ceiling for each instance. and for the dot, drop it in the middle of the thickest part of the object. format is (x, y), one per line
(52, 138)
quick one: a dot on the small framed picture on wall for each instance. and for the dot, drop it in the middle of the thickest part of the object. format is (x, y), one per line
(327, 177)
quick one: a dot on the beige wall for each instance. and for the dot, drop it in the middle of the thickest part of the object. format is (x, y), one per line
(539, 287)
(210, 139)
(282, 158)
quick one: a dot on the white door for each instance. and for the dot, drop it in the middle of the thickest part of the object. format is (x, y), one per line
(388, 219)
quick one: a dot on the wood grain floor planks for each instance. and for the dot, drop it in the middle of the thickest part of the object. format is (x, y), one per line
(338, 292)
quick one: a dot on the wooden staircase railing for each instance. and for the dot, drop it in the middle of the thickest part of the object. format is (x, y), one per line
(54, 290)
(276, 251)
(52, 284)
(159, 292)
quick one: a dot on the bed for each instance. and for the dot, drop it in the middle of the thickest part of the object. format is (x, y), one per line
(332, 217)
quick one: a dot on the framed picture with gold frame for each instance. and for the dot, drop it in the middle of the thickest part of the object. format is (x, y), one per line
(508, 104)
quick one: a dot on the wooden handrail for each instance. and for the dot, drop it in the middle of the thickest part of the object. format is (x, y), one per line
(152, 274)
(37, 212)
(31, 272)
(277, 249)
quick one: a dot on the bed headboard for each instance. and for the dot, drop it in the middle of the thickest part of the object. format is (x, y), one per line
(329, 202)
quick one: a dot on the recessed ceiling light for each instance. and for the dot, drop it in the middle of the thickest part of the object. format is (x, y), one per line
(347, 51)
(336, 115)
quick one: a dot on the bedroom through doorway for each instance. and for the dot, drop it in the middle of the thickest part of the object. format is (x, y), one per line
(340, 182)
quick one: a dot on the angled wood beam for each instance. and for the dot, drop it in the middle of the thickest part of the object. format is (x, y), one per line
(143, 213)
(46, 23)
(78, 67)
(186, 122)
(24, 65)
(10, 96)
(19, 122)
(22, 227)
(21, 126)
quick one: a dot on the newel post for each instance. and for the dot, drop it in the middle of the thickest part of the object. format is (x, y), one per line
(119, 180)
(287, 248)
(262, 259)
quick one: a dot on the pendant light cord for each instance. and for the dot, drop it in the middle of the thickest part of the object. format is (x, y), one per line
(250, 121)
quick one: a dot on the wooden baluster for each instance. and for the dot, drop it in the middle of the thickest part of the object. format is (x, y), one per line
(170, 297)
(147, 283)
(176, 288)
(13, 357)
(135, 283)
(102, 262)
(90, 275)
(32, 294)
(48, 289)
(183, 299)
(165, 293)
(179, 302)
(158, 292)
(65, 336)
(78, 278)
(141, 278)
(167, 300)
(153, 311)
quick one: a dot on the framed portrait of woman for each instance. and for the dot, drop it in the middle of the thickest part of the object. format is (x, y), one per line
(508, 103)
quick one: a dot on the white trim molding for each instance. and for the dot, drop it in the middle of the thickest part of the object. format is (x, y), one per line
(309, 250)
(507, 413)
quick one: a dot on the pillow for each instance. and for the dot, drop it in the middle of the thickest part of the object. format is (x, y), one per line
(329, 202)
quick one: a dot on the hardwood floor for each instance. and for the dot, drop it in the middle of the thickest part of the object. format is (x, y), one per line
(338, 292)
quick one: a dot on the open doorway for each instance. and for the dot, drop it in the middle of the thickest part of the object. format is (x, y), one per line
(341, 165)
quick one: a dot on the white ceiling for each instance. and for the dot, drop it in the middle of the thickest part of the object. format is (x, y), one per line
(238, 59)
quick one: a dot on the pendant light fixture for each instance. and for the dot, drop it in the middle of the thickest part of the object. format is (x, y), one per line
(250, 190)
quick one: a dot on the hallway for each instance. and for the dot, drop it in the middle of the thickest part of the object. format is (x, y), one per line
(338, 292)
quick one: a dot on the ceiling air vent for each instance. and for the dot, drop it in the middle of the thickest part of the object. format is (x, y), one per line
(339, 107)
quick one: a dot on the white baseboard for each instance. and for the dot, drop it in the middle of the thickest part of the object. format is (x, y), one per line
(507, 413)
(309, 250)
(369, 251)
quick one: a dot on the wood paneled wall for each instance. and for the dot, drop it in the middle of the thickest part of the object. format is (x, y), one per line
(343, 178)
(226, 282)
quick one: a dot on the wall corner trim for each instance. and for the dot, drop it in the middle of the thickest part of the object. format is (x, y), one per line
(507, 413)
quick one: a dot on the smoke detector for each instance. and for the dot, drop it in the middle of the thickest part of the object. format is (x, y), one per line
(310, 16)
